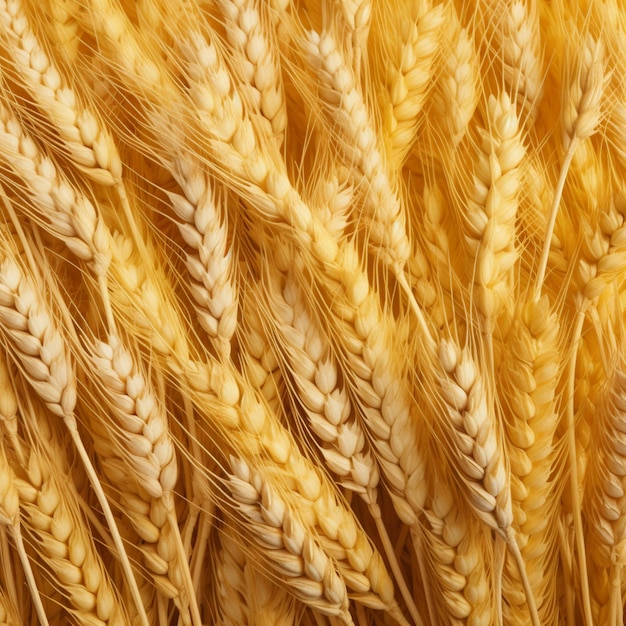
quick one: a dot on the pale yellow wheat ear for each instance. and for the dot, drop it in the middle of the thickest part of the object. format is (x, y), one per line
(531, 366)
(604, 496)
(474, 440)
(211, 260)
(456, 88)
(456, 545)
(245, 593)
(323, 394)
(493, 202)
(10, 517)
(30, 329)
(249, 31)
(58, 531)
(141, 439)
(294, 554)
(344, 98)
(583, 86)
(88, 144)
(409, 66)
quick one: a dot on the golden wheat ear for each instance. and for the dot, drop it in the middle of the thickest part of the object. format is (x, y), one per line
(32, 332)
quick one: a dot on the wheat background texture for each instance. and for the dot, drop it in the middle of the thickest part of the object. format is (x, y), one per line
(312, 312)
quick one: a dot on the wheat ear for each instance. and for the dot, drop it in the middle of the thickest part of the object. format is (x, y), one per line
(476, 446)
(580, 116)
(87, 144)
(63, 28)
(244, 593)
(605, 500)
(225, 400)
(292, 552)
(531, 420)
(410, 71)
(142, 295)
(142, 440)
(455, 93)
(522, 54)
(457, 554)
(339, 90)
(63, 541)
(231, 592)
(325, 400)
(383, 211)
(30, 330)
(491, 218)
(8, 408)
(210, 262)
(9, 516)
(259, 363)
(63, 209)
(250, 33)
(87, 141)
(603, 262)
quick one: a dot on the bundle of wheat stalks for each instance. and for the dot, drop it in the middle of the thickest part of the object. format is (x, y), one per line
(312, 312)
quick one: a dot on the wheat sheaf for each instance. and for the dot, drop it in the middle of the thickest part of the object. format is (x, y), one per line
(311, 312)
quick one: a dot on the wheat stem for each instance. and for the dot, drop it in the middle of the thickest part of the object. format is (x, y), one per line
(418, 547)
(394, 565)
(554, 209)
(28, 573)
(512, 545)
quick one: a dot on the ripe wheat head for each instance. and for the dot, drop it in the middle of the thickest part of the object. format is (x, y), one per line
(311, 312)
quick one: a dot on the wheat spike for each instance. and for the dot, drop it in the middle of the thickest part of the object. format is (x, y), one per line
(530, 426)
(304, 566)
(62, 540)
(407, 84)
(311, 311)
(211, 264)
(456, 90)
(493, 204)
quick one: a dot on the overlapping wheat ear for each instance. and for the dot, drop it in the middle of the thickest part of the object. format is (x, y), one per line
(329, 294)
